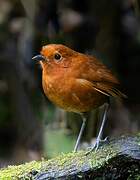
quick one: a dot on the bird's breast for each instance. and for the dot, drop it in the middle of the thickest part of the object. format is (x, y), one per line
(69, 95)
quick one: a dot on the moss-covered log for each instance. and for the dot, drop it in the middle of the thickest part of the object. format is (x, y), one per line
(116, 159)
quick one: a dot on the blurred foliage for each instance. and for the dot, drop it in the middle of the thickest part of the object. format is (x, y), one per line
(4, 110)
(57, 141)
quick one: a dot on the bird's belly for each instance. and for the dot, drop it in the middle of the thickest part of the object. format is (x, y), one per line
(73, 99)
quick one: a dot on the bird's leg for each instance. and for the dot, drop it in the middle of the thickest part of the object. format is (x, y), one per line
(98, 140)
(84, 118)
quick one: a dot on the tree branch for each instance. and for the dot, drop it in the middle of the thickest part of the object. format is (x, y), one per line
(117, 158)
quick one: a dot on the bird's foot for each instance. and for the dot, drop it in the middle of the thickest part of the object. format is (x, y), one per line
(96, 145)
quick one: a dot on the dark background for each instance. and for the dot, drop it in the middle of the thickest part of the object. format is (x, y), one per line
(30, 126)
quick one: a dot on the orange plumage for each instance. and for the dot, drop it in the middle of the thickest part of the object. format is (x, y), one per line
(76, 82)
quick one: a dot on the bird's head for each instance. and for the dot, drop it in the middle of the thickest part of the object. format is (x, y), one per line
(55, 56)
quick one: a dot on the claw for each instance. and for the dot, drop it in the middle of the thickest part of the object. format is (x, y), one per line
(97, 144)
(106, 139)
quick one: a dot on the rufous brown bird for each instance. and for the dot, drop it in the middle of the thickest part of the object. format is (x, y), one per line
(76, 82)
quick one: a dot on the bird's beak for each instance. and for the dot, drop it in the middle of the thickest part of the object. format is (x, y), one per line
(38, 58)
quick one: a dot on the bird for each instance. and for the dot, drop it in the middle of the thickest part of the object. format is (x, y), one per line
(77, 82)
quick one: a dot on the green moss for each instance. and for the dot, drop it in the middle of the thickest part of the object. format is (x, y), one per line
(60, 162)
(15, 172)
(64, 160)
(94, 159)
(77, 162)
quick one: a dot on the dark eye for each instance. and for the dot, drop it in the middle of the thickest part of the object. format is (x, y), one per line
(57, 56)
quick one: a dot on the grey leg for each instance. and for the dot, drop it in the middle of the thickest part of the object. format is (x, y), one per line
(84, 118)
(96, 145)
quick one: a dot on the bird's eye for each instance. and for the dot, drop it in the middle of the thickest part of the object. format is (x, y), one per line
(57, 56)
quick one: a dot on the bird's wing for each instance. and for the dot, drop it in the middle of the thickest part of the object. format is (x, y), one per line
(104, 88)
(98, 72)
(98, 77)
